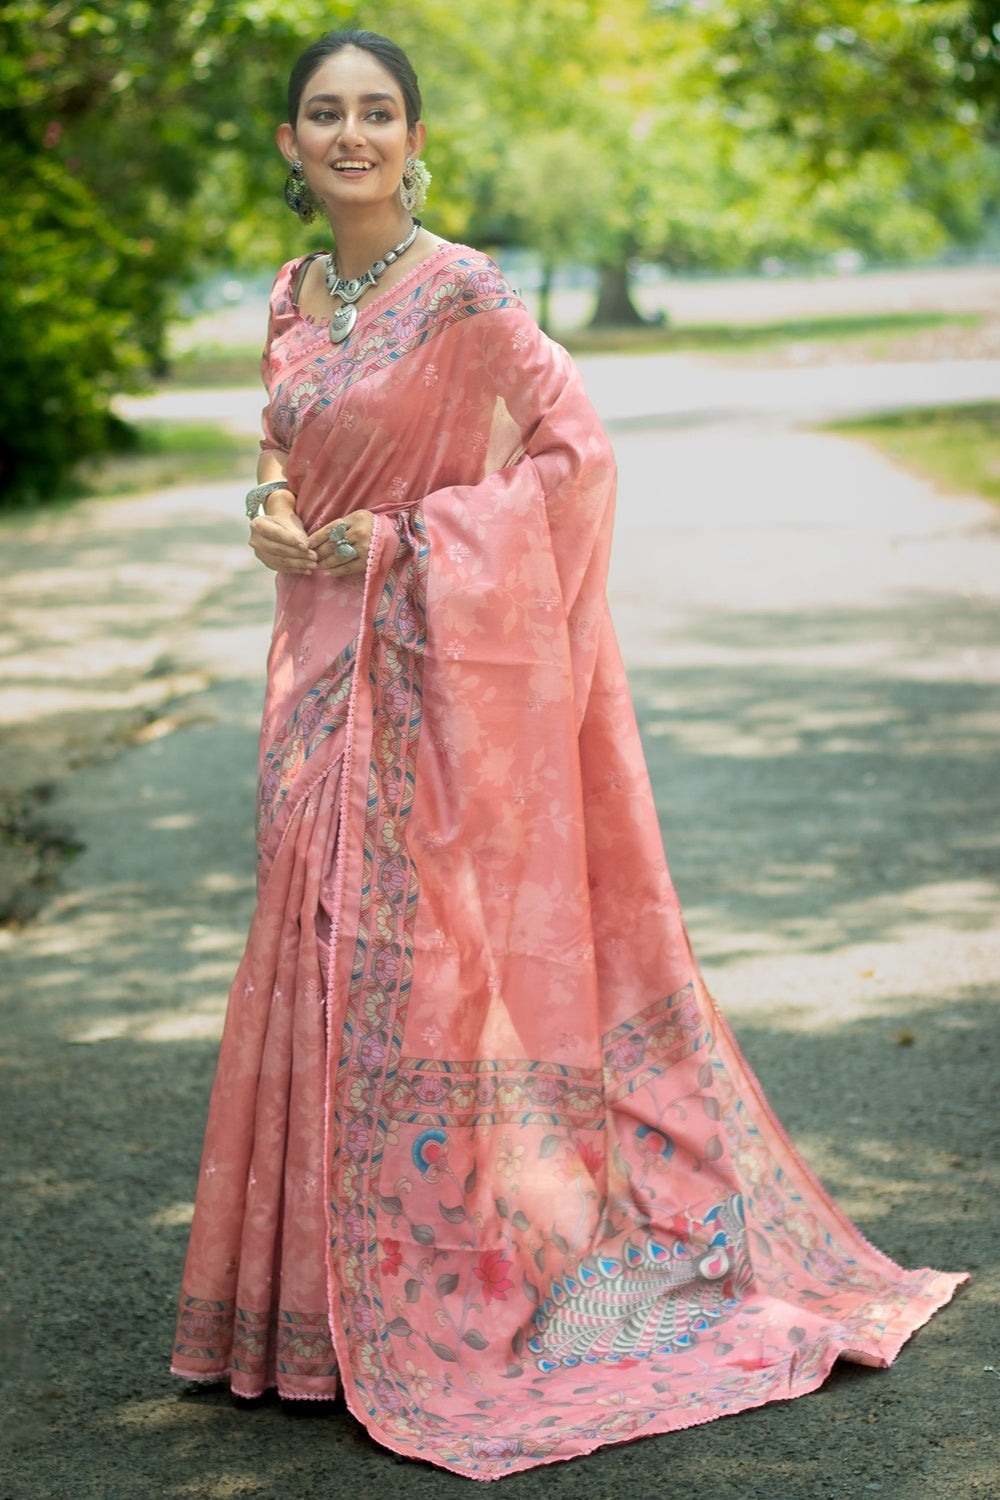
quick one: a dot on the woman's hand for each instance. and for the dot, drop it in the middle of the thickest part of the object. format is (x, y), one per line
(280, 542)
(354, 530)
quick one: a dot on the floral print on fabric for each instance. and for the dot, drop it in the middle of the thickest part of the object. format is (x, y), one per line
(472, 1089)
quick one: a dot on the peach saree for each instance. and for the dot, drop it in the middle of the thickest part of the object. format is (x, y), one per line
(481, 1149)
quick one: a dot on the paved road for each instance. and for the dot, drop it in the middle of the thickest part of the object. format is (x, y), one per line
(816, 662)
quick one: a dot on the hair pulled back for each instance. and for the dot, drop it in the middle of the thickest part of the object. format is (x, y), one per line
(391, 57)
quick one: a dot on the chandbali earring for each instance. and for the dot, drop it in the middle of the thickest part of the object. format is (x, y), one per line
(413, 188)
(298, 194)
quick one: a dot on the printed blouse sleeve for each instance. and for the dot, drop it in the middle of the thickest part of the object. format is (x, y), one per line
(280, 313)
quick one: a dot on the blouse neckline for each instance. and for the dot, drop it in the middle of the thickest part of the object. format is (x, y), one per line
(321, 326)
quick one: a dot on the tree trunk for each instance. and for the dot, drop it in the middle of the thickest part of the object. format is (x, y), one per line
(615, 308)
(545, 295)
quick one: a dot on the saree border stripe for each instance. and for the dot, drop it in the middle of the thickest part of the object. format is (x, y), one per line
(401, 328)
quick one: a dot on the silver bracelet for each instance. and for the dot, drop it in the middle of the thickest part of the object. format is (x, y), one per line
(260, 492)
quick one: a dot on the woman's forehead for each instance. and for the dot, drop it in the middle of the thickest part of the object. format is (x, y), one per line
(350, 73)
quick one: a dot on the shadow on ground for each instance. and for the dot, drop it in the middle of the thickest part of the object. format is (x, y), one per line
(819, 808)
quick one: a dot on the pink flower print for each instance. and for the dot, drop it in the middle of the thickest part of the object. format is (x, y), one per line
(372, 1051)
(547, 601)
(392, 878)
(492, 1272)
(409, 325)
(495, 1447)
(458, 552)
(429, 1089)
(354, 1224)
(397, 489)
(362, 1316)
(386, 966)
(392, 1257)
(430, 375)
(347, 419)
(397, 698)
(454, 650)
(536, 702)
(520, 340)
(388, 1395)
(431, 1035)
(627, 1052)
(199, 1329)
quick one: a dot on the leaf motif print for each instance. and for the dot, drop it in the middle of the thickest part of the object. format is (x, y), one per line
(423, 1234)
(443, 1351)
(475, 1340)
(550, 1145)
(412, 1290)
(447, 1284)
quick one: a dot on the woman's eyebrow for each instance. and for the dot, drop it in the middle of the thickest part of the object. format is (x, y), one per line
(364, 99)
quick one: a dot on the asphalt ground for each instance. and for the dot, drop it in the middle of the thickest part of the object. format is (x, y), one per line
(813, 642)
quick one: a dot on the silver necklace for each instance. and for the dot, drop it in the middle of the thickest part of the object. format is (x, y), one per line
(351, 289)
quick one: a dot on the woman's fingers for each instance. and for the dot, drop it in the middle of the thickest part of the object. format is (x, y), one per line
(341, 546)
(282, 545)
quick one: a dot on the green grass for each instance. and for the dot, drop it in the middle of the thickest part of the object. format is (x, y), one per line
(958, 447)
(164, 454)
(213, 365)
(216, 366)
(877, 331)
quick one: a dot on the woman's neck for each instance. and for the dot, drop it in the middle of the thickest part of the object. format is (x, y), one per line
(363, 237)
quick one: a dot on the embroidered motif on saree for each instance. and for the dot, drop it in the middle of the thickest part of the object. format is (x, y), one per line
(481, 1147)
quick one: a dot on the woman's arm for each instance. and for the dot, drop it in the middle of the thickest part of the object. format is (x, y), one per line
(277, 536)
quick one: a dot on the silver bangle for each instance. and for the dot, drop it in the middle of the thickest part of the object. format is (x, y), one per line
(259, 493)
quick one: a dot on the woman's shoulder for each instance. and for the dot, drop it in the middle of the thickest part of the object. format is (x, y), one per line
(473, 276)
(285, 283)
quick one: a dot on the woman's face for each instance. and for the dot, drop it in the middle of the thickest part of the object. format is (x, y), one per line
(351, 134)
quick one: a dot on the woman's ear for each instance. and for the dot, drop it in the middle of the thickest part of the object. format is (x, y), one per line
(416, 138)
(285, 137)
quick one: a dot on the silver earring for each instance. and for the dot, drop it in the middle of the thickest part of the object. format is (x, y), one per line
(413, 188)
(298, 194)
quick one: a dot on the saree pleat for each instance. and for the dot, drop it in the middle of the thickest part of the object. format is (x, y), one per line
(481, 1146)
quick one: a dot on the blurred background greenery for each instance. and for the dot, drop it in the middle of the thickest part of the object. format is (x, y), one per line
(696, 135)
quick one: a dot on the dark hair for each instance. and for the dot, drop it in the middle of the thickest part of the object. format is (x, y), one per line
(392, 58)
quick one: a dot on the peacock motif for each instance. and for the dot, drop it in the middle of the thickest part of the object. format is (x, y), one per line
(650, 1297)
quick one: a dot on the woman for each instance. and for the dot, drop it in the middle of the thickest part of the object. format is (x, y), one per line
(480, 1146)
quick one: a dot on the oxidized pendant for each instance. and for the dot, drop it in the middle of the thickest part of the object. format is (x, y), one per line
(342, 322)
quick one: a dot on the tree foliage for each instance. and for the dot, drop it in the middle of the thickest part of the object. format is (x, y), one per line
(137, 145)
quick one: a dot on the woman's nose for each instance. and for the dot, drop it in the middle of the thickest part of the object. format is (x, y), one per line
(351, 132)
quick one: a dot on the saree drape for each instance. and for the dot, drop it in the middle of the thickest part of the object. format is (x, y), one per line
(481, 1148)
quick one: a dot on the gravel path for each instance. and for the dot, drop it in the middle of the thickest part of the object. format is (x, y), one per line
(816, 662)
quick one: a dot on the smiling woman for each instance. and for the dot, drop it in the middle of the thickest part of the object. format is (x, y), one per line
(481, 1150)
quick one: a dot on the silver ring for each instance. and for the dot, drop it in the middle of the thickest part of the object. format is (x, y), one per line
(337, 533)
(344, 549)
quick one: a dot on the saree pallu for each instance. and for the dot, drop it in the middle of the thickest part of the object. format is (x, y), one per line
(481, 1148)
